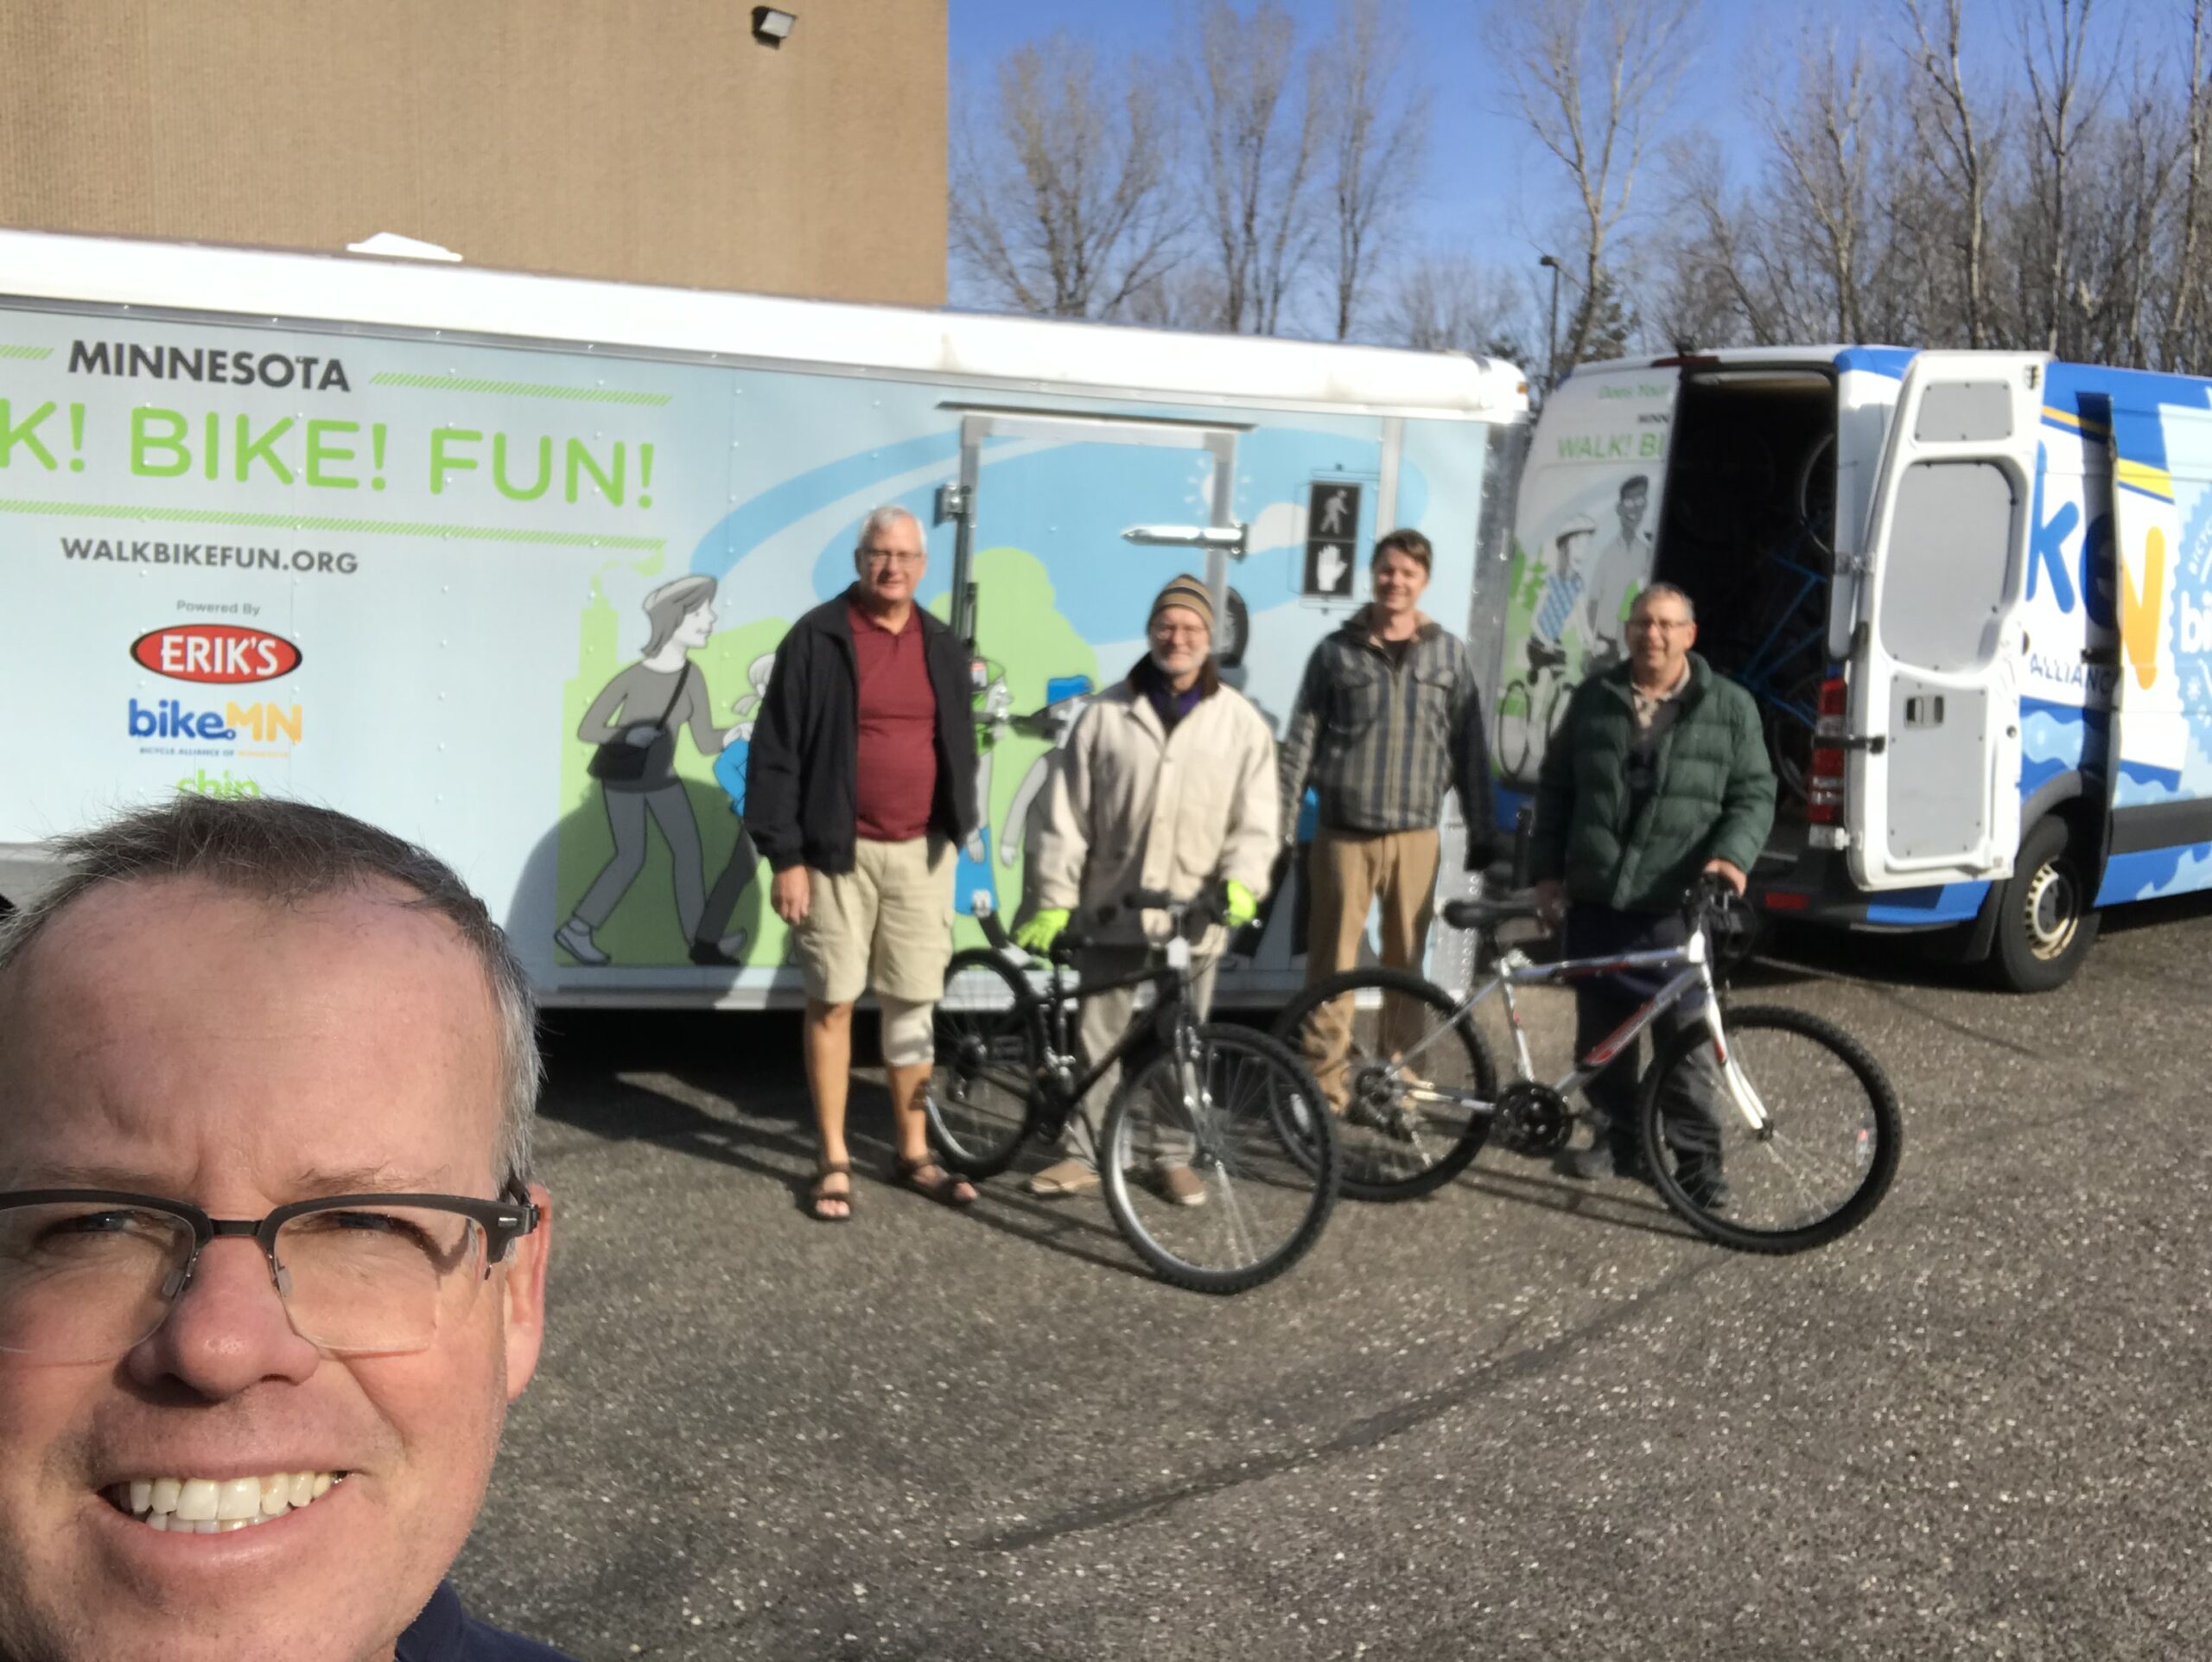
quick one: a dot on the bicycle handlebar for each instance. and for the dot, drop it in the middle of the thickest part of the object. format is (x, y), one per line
(1212, 906)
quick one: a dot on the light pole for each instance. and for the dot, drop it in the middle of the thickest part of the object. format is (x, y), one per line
(1551, 332)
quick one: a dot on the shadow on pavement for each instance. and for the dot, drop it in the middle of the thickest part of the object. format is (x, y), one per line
(1530, 1183)
(730, 1086)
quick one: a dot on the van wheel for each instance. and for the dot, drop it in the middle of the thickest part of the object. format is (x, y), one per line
(2045, 922)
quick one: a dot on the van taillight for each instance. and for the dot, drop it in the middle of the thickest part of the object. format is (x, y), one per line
(1824, 781)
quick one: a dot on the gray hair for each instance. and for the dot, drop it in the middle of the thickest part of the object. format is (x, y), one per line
(879, 518)
(287, 853)
(1666, 591)
(671, 603)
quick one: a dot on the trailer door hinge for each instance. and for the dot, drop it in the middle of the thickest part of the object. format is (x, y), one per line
(952, 503)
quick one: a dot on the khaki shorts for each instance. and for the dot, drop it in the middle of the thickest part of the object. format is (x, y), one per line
(885, 924)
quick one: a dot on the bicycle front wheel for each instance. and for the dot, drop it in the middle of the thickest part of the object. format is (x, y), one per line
(1818, 1161)
(990, 1048)
(1408, 1076)
(1220, 1164)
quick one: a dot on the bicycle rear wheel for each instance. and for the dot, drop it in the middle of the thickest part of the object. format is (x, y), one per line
(1405, 1082)
(990, 1045)
(1822, 1161)
(1243, 1115)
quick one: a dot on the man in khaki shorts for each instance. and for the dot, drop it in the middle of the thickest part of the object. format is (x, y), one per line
(859, 785)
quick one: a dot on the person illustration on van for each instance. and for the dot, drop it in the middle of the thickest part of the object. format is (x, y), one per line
(1616, 570)
(1590, 583)
(716, 942)
(633, 723)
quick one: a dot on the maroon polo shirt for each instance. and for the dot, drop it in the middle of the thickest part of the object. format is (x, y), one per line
(897, 783)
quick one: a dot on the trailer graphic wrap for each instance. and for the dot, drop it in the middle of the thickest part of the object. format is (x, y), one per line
(1581, 554)
(519, 603)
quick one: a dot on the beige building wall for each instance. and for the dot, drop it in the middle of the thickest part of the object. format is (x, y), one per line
(650, 140)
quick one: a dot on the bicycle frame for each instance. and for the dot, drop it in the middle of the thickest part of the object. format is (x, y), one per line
(1692, 962)
(1062, 990)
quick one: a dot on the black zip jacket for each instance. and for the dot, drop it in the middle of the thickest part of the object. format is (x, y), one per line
(801, 775)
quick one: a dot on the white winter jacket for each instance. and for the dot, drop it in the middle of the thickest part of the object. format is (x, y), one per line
(1133, 805)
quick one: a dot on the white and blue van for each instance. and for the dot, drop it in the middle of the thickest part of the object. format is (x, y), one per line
(1972, 592)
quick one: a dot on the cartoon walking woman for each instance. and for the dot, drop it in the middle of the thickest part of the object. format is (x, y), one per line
(634, 722)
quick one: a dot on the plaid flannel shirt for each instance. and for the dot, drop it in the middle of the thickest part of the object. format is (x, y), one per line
(1380, 741)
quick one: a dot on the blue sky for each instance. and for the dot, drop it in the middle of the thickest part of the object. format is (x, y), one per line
(1488, 191)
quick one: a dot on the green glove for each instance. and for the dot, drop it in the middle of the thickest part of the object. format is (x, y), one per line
(1040, 932)
(1243, 905)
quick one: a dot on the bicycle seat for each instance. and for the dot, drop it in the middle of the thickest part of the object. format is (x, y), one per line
(1482, 915)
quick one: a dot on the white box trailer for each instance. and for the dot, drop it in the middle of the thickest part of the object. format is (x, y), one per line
(378, 534)
(1971, 591)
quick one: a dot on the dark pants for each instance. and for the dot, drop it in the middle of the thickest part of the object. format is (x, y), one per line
(1603, 1002)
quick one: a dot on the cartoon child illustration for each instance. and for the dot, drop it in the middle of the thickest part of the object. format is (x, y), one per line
(1064, 697)
(634, 722)
(973, 878)
(716, 943)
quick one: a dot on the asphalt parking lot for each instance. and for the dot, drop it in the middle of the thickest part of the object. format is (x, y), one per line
(1523, 1419)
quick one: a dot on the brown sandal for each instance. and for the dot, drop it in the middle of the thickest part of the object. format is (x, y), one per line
(821, 1197)
(944, 1190)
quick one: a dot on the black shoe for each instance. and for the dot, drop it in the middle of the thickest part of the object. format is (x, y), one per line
(1605, 1158)
(706, 952)
(1585, 1165)
(1703, 1183)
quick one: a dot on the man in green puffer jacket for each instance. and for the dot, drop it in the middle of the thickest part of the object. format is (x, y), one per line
(1659, 773)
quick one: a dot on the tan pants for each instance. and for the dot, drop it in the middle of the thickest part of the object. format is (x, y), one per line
(1347, 872)
(1099, 1026)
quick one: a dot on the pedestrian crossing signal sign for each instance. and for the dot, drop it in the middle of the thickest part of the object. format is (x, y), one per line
(1331, 538)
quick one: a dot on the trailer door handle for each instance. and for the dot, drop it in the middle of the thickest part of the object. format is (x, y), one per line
(1926, 710)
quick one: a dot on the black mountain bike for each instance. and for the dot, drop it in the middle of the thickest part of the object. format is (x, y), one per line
(1232, 1103)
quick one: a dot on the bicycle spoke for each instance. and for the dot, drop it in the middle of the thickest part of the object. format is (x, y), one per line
(1216, 1169)
(1816, 1166)
(1406, 1073)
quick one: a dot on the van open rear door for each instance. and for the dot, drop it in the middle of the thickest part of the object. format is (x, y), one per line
(2150, 725)
(1932, 785)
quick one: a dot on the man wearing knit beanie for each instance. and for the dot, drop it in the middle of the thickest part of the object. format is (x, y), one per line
(1168, 782)
(1194, 596)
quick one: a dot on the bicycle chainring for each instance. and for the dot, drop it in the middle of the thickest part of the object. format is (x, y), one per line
(1533, 1118)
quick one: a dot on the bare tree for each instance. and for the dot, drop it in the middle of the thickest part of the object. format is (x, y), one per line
(2067, 85)
(1453, 303)
(1718, 287)
(1956, 142)
(1257, 159)
(1593, 79)
(2186, 290)
(1821, 146)
(1376, 134)
(1066, 206)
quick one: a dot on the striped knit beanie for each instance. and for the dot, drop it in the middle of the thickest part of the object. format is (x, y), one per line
(1188, 592)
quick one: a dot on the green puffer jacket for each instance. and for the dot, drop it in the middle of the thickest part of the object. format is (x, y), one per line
(1713, 796)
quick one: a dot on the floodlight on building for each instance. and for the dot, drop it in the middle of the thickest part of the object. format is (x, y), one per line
(771, 26)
